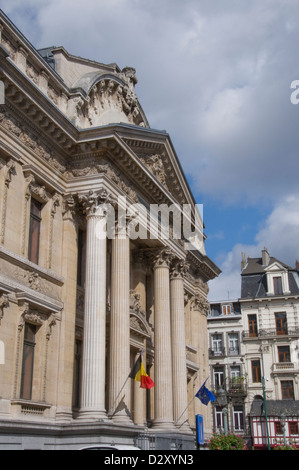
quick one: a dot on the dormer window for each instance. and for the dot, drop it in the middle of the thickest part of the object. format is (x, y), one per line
(226, 309)
(277, 280)
(277, 284)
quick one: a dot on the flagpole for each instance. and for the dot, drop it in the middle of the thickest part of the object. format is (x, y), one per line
(184, 410)
(111, 408)
(189, 403)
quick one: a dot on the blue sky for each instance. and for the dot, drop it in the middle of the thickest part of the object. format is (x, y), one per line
(217, 77)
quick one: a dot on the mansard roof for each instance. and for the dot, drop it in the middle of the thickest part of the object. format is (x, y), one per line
(254, 277)
(256, 266)
(275, 407)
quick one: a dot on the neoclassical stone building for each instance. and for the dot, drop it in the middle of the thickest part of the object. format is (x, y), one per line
(77, 305)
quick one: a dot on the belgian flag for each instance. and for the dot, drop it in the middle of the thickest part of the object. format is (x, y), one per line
(138, 373)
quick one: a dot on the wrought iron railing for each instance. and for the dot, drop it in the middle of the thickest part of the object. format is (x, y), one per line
(271, 332)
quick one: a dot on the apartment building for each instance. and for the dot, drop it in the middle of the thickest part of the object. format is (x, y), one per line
(262, 329)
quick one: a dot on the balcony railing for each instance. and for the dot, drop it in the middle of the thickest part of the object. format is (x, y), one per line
(218, 352)
(271, 332)
(232, 387)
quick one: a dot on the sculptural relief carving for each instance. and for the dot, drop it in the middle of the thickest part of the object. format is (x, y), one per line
(156, 166)
(112, 99)
(3, 304)
(179, 268)
(93, 200)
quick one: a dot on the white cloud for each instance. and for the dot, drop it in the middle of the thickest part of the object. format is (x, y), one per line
(280, 234)
(216, 75)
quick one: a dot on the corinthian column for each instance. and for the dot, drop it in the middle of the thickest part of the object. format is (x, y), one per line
(179, 371)
(119, 368)
(93, 365)
(163, 365)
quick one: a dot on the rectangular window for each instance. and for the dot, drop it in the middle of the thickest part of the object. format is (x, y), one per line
(217, 345)
(218, 374)
(252, 325)
(284, 354)
(293, 427)
(287, 390)
(233, 343)
(278, 428)
(34, 230)
(238, 418)
(256, 371)
(226, 309)
(219, 418)
(281, 323)
(28, 361)
(277, 285)
(235, 373)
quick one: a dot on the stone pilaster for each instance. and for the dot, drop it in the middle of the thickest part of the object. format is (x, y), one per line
(68, 319)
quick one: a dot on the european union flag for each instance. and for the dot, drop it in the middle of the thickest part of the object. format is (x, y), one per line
(205, 395)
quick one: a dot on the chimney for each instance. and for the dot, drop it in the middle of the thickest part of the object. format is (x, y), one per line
(244, 261)
(297, 265)
(265, 257)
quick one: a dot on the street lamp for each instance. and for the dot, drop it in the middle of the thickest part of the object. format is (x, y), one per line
(222, 400)
(283, 420)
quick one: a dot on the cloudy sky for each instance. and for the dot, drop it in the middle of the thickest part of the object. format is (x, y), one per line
(217, 76)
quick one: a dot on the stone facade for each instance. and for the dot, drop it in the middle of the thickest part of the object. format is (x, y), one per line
(76, 308)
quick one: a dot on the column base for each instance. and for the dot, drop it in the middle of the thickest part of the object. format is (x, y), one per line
(184, 428)
(92, 415)
(164, 425)
(122, 419)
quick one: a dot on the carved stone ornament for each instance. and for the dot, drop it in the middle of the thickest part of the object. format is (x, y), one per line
(93, 200)
(33, 188)
(111, 99)
(162, 257)
(69, 206)
(135, 303)
(3, 304)
(36, 317)
(156, 166)
(200, 304)
(179, 268)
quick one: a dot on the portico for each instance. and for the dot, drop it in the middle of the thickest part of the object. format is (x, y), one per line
(102, 255)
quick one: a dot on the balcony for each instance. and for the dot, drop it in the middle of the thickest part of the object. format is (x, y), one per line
(270, 332)
(236, 387)
(283, 367)
(215, 353)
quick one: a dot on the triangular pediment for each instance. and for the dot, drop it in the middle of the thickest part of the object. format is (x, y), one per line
(160, 160)
(275, 267)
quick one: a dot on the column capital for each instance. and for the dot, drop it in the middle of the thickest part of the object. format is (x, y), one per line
(179, 268)
(200, 304)
(161, 258)
(96, 203)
